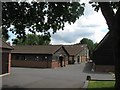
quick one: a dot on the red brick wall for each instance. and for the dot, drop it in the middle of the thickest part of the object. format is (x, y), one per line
(66, 62)
(104, 68)
(57, 63)
(38, 64)
(83, 58)
(9, 63)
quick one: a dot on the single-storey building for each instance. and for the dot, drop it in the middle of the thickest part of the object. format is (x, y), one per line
(77, 53)
(5, 57)
(103, 55)
(43, 56)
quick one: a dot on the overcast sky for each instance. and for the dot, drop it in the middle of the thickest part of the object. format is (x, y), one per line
(91, 25)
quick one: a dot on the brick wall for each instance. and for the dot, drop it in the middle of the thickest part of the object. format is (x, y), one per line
(37, 64)
(66, 62)
(104, 68)
(83, 59)
(9, 63)
(57, 63)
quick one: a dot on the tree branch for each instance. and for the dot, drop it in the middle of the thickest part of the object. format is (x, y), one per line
(117, 20)
(108, 13)
(118, 12)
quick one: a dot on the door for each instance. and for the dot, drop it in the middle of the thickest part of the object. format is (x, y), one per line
(61, 60)
(5, 62)
(78, 59)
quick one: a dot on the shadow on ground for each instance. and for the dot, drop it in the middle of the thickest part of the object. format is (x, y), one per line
(88, 67)
(6, 87)
(20, 88)
(100, 89)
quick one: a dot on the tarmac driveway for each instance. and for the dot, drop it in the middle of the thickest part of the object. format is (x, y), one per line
(71, 76)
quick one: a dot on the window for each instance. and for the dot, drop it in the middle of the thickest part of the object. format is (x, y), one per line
(22, 57)
(37, 58)
(16, 57)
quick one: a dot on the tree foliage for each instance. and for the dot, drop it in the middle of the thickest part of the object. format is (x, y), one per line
(89, 43)
(113, 21)
(95, 44)
(38, 16)
(33, 39)
(110, 11)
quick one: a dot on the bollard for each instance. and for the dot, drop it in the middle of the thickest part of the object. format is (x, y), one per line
(88, 78)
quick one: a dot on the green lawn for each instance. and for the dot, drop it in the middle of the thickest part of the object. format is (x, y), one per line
(101, 85)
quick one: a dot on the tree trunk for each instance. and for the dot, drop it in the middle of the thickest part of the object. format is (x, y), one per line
(116, 34)
(113, 22)
(117, 66)
(116, 49)
(116, 52)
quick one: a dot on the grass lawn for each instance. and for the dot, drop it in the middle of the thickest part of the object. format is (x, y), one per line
(101, 85)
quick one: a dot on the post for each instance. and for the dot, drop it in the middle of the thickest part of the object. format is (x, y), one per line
(64, 60)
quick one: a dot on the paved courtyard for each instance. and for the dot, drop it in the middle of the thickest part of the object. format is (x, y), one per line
(71, 76)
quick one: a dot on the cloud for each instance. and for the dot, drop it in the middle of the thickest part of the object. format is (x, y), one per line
(91, 25)
(70, 36)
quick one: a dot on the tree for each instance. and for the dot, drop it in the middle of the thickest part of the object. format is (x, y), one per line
(113, 21)
(38, 16)
(33, 39)
(95, 44)
(89, 43)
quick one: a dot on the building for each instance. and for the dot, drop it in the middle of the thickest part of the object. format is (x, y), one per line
(103, 55)
(5, 60)
(48, 56)
(42, 56)
(77, 53)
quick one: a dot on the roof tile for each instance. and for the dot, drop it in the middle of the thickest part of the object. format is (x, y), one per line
(3, 44)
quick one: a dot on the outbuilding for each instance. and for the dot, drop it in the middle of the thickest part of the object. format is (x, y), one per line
(103, 55)
(77, 53)
(5, 60)
(41, 56)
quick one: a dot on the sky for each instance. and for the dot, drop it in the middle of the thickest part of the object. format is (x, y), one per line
(91, 25)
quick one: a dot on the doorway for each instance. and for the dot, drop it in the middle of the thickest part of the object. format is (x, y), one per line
(5, 62)
(61, 61)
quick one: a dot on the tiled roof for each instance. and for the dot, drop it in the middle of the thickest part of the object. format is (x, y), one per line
(4, 45)
(48, 49)
(39, 49)
(74, 49)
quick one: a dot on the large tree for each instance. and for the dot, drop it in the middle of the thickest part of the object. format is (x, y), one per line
(33, 16)
(113, 21)
(33, 39)
(38, 16)
(90, 44)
